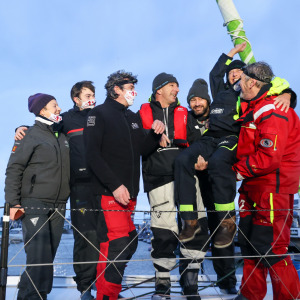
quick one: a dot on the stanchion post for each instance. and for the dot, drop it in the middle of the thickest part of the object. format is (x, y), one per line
(4, 252)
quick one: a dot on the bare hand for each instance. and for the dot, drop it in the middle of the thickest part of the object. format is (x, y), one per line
(16, 213)
(121, 194)
(237, 48)
(164, 141)
(158, 127)
(201, 164)
(20, 133)
(283, 101)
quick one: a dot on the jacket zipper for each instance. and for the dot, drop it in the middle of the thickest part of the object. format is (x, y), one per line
(132, 156)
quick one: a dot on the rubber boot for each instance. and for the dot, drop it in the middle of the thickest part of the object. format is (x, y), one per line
(162, 288)
(189, 230)
(225, 233)
(189, 284)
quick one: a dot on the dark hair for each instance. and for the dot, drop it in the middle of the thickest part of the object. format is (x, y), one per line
(260, 71)
(118, 78)
(78, 86)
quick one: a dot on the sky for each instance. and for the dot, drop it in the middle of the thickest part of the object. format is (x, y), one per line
(47, 46)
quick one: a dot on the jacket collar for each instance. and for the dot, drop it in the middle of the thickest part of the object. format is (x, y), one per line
(117, 105)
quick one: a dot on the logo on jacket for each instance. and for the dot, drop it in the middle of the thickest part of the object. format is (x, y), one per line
(34, 221)
(134, 125)
(66, 144)
(14, 149)
(217, 111)
(91, 121)
(266, 143)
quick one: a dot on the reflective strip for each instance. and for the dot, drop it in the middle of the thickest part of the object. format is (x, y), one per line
(263, 109)
(231, 149)
(192, 254)
(275, 142)
(167, 263)
(272, 208)
(162, 274)
(228, 62)
(238, 109)
(56, 134)
(187, 207)
(254, 204)
(224, 207)
(285, 262)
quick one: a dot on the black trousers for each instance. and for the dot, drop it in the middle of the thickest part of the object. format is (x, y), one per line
(221, 155)
(85, 221)
(222, 266)
(41, 249)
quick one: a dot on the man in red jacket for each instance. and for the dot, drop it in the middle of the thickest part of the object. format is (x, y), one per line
(269, 165)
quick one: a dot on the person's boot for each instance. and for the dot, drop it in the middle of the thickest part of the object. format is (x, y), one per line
(162, 289)
(225, 234)
(189, 284)
(189, 230)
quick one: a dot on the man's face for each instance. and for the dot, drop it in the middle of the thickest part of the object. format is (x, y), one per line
(85, 95)
(245, 84)
(234, 75)
(122, 92)
(199, 106)
(169, 93)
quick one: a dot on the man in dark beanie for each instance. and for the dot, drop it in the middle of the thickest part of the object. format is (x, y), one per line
(158, 175)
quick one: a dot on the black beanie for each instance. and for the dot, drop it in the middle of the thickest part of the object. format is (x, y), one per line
(161, 80)
(235, 64)
(38, 101)
(199, 89)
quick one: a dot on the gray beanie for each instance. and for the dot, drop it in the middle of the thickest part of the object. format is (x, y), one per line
(199, 89)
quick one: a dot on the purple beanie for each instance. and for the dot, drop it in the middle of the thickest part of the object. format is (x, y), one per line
(38, 101)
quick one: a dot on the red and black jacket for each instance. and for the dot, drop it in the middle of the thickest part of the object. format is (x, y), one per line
(268, 148)
(158, 166)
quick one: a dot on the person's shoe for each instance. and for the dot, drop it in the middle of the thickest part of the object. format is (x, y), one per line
(225, 233)
(189, 230)
(229, 291)
(86, 296)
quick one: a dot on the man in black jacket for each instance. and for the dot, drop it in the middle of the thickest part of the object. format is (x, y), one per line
(114, 140)
(158, 176)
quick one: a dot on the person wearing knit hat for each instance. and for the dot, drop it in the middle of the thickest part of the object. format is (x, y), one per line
(234, 71)
(161, 80)
(198, 99)
(158, 176)
(38, 101)
(37, 187)
(46, 106)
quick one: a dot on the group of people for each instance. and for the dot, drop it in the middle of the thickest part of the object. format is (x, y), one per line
(191, 160)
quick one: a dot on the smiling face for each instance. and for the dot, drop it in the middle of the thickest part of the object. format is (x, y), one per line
(234, 75)
(199, 106)
(51, 108)
(167, 94)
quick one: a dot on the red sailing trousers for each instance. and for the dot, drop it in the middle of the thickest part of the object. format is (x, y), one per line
(265, 225)
(118, 243)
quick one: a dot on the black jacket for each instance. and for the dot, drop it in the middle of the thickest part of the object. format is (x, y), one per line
(224, 106)
(72, 126)
(196, 125)
(115, 140)
(38, 167)
(224, 110)
(158, 167)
